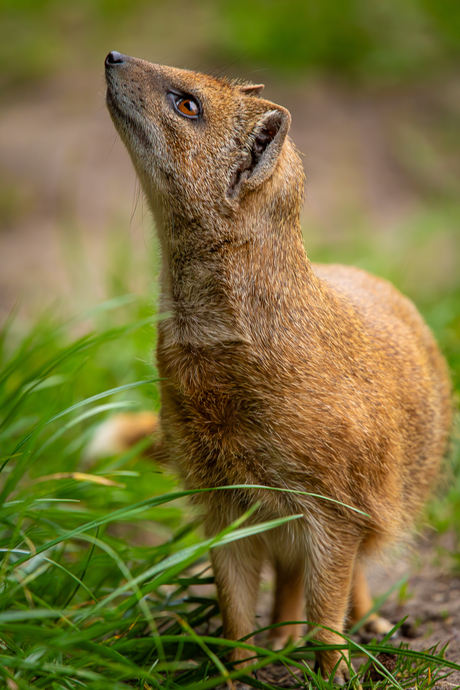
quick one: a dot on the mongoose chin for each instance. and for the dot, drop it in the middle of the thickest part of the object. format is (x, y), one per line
(274, 371)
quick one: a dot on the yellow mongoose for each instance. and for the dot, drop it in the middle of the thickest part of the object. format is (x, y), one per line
(274, 371)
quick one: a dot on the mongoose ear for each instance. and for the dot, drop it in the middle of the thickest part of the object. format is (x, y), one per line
(259, 158)
(251, 89)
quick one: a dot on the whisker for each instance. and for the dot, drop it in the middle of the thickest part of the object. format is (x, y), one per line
(114, 140)
(136, 196)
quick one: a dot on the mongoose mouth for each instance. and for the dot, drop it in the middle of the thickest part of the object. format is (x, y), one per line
(125, 122)
(112, 60)
(115, 95)
(124, 117)
(123, 110)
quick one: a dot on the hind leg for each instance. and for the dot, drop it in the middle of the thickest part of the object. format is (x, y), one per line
(237, 569)
(328, 586)
(361, 604)
(122, 431)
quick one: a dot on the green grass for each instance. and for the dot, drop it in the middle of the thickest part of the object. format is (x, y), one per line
(96, 588)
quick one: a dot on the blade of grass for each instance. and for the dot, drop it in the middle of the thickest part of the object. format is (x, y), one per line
(185, 557)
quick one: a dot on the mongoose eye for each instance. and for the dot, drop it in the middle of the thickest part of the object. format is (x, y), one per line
(187, 106)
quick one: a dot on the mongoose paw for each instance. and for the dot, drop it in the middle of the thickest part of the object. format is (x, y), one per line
(235, 685)
(281, 641)
(379, 626)
(277, 644)
(342, 675)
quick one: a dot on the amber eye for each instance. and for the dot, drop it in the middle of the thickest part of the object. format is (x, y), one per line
(187, 106)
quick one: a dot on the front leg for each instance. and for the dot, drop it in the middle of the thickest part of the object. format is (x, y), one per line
(289, 601)
(328, 586)
(237, 569)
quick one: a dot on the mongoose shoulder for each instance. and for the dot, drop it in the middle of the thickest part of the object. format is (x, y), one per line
(275, 372)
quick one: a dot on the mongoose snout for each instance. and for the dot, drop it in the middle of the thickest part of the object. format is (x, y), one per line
(275, 372)
(114, 58)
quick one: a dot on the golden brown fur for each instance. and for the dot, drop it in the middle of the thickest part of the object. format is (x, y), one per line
(274, 371)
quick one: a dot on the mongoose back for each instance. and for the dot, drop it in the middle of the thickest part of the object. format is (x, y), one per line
(274, 371)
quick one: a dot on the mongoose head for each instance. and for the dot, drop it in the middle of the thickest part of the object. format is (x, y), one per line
(200, 145)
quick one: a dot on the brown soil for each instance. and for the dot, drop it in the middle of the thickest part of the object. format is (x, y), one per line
(431, 599)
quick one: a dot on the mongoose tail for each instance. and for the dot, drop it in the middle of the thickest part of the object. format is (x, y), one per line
(274, 371)
(121, 432)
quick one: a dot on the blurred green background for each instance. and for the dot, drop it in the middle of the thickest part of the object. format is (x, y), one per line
(373, 42)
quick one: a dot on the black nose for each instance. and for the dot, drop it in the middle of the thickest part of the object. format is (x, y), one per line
(114, 58)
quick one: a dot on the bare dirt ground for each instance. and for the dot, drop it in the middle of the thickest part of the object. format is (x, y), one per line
(67, 192)
(430, 600)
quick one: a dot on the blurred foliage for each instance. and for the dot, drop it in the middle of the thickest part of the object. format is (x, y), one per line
(39, 37)
(370, 40)
(355, 38)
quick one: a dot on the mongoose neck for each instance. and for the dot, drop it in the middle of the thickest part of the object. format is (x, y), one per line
(214, 282)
